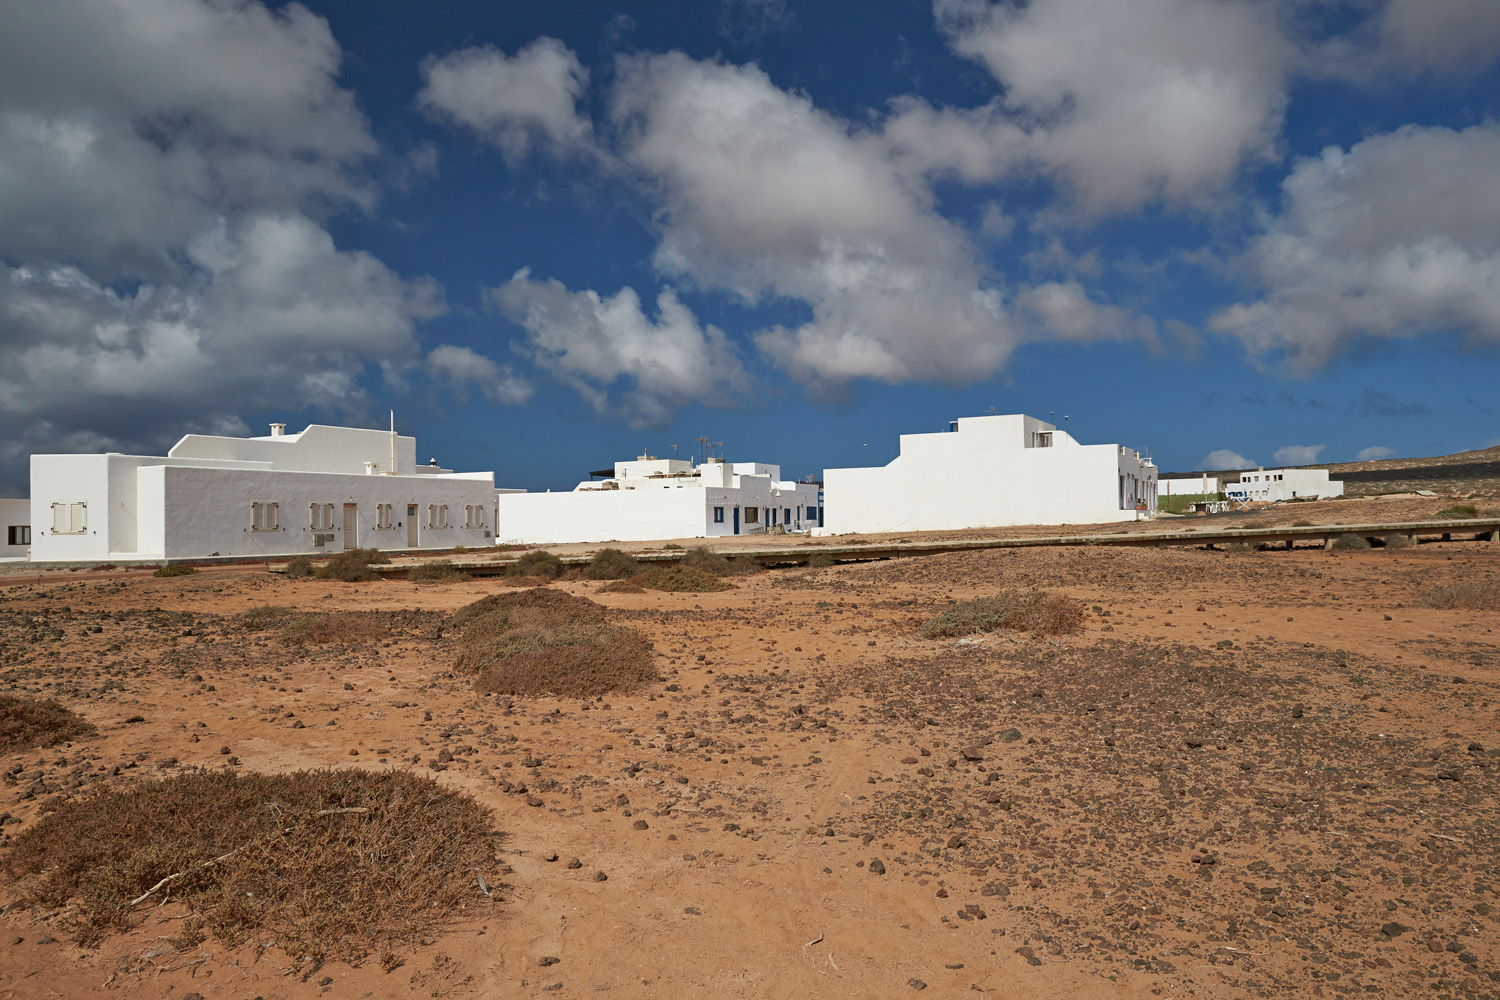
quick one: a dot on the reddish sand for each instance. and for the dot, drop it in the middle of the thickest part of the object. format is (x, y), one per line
(1251, 774)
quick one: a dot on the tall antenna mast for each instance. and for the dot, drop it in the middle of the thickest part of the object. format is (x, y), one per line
(393, 442)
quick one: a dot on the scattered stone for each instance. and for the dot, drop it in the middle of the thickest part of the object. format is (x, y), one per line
(916, 984)
(547, 960)
(640, 824)
(877, 867)
(600, 877)
(574, 864)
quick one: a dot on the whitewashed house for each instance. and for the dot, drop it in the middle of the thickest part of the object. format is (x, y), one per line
(1185, 486)
(1274, 485)
(15, 521)
(318, 491)
(987, 472)
(654, 498)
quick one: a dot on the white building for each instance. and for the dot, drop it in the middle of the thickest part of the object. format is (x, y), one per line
(991, 471)
(1284, 484)
(15, 521)
(319, 491)
(653, 498)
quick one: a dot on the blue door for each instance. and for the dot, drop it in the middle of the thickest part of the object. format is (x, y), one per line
(736, 520)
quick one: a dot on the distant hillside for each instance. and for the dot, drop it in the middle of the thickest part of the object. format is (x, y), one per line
(1476, 472)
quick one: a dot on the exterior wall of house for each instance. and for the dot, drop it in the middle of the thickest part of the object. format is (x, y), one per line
(14, 516)
(990, 471)
(1285, 484)
(208, 511)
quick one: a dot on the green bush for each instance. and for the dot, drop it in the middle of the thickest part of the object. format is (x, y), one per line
(1459, 510)
(178, 570)
(537, 562)
(611, 564)
(440, 571)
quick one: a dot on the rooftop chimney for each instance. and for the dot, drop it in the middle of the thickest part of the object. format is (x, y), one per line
(278, 430)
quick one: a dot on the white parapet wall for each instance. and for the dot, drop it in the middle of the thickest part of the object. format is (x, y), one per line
(989, 472)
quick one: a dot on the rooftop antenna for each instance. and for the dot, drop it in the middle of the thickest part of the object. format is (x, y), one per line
(393, 442)
(702, 449)
(674, 451)
(720, 445)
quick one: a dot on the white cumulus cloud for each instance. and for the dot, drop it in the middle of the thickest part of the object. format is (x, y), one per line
(1375, 453)
(462, 367)
(1298, 454)
(1223, 459)
(517, 102)
(1396, 237)
(598, 344)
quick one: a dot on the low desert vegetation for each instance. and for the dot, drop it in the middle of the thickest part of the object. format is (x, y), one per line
(1350, 543)
(352, 566)
(299, 568)
(174, 570)
(537, 562)
(611, 564)
(1398, 541)
(681, 579)
(26, 724)
(438, 571)
(622, 587)
(543, 641)
(1468, 595)
(708, 561)
(345, 627)
(1010, 610)
(1459, 510)
(327, 864)
(263, 616)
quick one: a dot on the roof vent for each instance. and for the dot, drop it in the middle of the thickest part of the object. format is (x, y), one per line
(278, 430)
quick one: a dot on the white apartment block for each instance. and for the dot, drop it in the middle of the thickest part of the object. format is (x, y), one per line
(1273, 485)
(656, 498)
(988, 472)
(318, 491)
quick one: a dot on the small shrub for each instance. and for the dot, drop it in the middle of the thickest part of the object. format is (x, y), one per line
(680, 579)
(262, 616)
(26, 724)
(1399, 541)
(820, 560)
(439, 571)
(299, 568)
(622, 587)
(672, 545)
(175, 570)
(705, 560)
(371, 557)
(1017, 610)
(543, 641)
(347, 567)
(1459, 510)
(524, 581)
(537, 562)
(1302, 524)
(1350, 543)
(325, 864)
(459, 550)
(1470, 595)
(346, 627)
(611, 564)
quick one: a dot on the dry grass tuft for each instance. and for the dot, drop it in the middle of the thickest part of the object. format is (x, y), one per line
(1470, 595)
(1015, 610)
(1458, 510)
(1350, 543)
(328, 864)
(299, 568)
(611, 564)
(524, 581)
(706, 560)
(263, 616)
(1399, 541)
(680, 579)
(26, 724)
(543, 641)
(347, 627)
(440, 571)
(622, 587)
(179, 569)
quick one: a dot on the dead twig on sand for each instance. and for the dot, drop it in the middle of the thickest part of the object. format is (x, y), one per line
(137, 901)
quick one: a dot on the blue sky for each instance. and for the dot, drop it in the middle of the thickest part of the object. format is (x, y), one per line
(554, 235)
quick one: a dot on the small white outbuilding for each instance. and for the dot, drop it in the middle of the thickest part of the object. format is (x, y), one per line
(318, 491)
(1273, 485)
(15, 521)
(655, 498)
(987, 472)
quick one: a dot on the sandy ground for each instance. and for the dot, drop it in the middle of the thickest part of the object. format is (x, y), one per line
(1252, 774)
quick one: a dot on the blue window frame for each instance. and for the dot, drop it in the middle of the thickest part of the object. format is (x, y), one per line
(718, 515)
